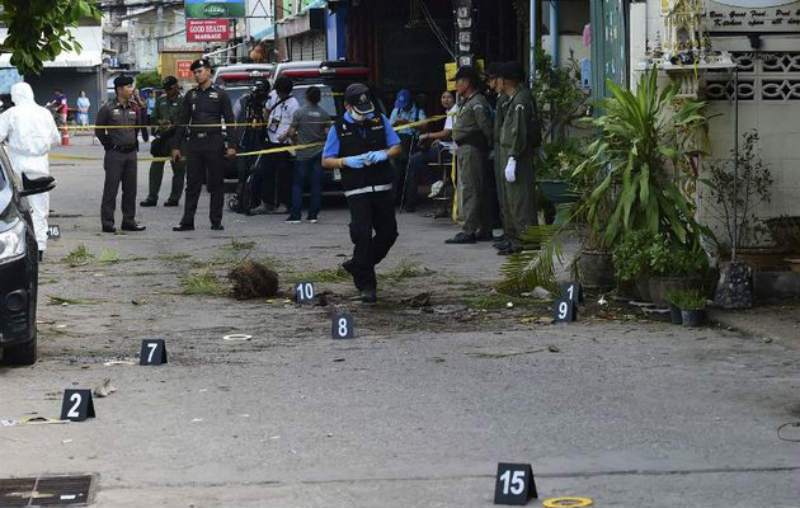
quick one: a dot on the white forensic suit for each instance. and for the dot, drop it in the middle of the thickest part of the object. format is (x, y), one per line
(30, 131)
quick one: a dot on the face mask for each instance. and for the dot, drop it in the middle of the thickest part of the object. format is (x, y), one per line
(358, 117)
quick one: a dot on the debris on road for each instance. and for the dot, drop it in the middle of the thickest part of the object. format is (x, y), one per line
(237, 337)
(253, 280)
(104, 389)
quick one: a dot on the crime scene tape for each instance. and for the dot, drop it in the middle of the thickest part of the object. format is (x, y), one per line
(266, 151)
(567, 502)
(236, 124)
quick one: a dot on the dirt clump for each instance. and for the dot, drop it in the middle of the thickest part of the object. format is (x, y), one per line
(253, 280)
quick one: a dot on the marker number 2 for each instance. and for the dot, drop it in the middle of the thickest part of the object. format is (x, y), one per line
(75, 398)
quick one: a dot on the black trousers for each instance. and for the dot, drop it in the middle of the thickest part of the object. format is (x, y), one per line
(275, 177)
(370, 212)
(205, 164)
(120, 168)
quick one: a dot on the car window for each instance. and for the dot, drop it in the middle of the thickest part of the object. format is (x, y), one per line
(328, 102)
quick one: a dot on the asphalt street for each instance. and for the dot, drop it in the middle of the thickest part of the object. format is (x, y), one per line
(416, 410)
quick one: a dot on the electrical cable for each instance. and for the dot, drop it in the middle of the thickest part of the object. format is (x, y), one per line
(437, 32)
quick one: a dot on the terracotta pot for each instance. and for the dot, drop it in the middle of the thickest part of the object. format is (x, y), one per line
(596, 269)
(661, 286)
(761, 259)
(643, 288)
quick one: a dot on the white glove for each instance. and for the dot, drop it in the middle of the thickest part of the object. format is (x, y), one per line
(511, 170)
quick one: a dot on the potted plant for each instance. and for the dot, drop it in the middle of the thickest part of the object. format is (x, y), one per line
(674, 311)
(674, 266)
(631, 263)
(692, 304)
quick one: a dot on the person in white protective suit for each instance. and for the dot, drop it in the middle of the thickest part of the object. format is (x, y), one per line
(30, 131)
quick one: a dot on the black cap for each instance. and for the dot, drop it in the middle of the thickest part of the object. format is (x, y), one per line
(512, 70)
(200, 62)
(493, 70)
(468, 72)
(169, 81)
(358, 96)
(122, 81)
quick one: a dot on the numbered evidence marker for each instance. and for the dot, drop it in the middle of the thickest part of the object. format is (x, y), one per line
(342, 326)
(304, 292)
(573, 291)
(565, 311)
(154, 352)
(54, 232)
(515, 484)
(77, 405)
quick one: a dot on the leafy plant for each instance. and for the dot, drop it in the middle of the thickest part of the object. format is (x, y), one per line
(666, 257)
(78, 256)
(734, 209)
(558, 95)
(148, 79)
(560, 158)
(39, 30)
(691, 299)
(535, 265)
(203, 282)
(631, 255)
(643, 153)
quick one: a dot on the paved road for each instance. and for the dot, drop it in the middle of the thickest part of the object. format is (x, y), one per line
(416, 411)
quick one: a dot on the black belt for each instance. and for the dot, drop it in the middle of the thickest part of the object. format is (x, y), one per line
(203, 135)
(123, 148)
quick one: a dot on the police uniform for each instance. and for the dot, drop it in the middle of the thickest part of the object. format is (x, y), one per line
(120, 160)
(499, 165)
(367, 186)
(205, 148)
(472, 132)
(166, 116)
(519, 137)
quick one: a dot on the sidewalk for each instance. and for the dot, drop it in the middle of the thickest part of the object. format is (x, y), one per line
(779, 323)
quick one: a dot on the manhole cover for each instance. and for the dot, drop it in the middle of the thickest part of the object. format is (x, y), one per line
(47, 491)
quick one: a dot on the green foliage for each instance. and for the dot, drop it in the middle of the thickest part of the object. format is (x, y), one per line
(733, 199)
(559, 159)
(667, 257)
(78, 256)
(691, 299)
(38, 30)
(109, 256)
(631, 257)
(204, 282)
(535, 265)
(558, 95)
(641, 155)
(147, 79)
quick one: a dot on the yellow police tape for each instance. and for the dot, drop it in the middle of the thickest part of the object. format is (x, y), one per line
(266, 151)
(237, 124)
(567, 502)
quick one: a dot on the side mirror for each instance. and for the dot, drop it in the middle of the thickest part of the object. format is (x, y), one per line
(37, 185)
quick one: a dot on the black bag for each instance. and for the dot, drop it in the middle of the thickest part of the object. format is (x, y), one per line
(159, 147)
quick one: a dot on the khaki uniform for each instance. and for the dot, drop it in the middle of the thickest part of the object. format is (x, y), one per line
(518, 138)
(472, 132)
(165, 116)
(500, 165)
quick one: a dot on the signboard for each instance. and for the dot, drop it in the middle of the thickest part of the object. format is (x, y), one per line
(182, 69)
(207, 30)
(752, 15)
(208, 9)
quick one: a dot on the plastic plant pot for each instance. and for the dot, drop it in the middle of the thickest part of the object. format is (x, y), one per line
(676, 315)
(693, 318)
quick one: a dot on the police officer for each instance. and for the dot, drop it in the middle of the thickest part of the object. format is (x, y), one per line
(519, 138)
(472, 132)
(119, 162)
(501, 104)
(204, 108)
(165, 117)
(360, 145)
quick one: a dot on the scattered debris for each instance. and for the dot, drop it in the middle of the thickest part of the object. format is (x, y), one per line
(767, 340)
(112, 363)
(509, 305)
(203, 282)
(197, 420)
(503, 354)
(602, 301)
(553, 349)
(418, 300)
(538, 293)
(108, 256)
(104, 389)
(253, 280)
(79, 256)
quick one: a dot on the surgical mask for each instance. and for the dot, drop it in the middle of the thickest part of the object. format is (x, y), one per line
(358, 117)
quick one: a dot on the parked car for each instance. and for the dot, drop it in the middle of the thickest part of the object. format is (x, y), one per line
(19, 265)
(238, 79)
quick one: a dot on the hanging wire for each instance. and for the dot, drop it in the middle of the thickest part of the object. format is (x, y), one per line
(437, 32)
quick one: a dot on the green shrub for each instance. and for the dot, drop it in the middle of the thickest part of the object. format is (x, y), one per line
(687, 299)
(631, 255)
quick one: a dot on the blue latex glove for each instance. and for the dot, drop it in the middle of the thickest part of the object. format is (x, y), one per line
(355, 161)
(377, 156)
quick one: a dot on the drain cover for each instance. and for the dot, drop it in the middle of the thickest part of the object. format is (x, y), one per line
(46, 491)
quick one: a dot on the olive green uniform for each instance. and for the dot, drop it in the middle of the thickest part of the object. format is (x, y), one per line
(518, 139)
(500, 165)
(165, 116)
(472, 132)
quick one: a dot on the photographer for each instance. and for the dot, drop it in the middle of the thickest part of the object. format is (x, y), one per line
(249, 109)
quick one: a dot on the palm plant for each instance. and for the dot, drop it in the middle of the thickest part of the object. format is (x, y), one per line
(631, 180)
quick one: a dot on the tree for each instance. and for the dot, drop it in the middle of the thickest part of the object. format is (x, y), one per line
(149, 79)
(39, 30)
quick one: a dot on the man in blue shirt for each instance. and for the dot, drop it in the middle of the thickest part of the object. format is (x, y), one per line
(360, 145)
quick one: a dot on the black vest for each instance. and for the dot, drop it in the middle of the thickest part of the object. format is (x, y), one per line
(357, 139)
